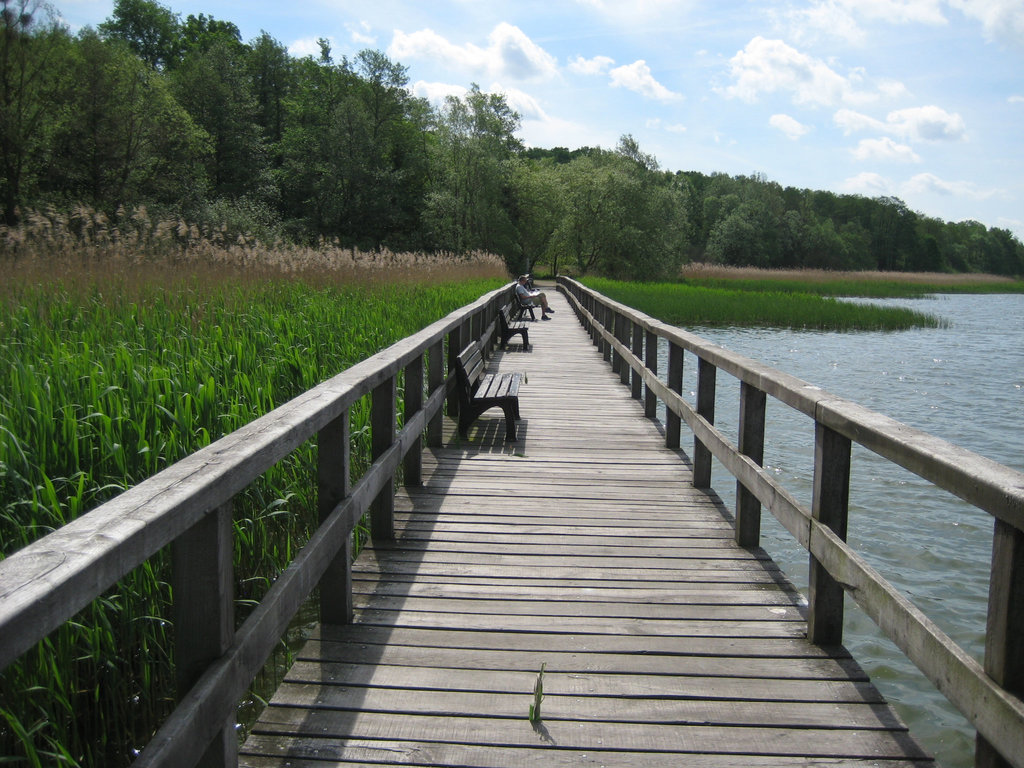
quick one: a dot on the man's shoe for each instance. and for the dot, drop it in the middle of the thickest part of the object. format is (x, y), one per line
(551, 310)
(544, 317)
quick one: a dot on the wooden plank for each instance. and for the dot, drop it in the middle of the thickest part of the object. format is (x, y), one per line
(584, 548)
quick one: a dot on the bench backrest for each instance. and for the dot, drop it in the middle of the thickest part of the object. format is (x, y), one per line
(467, 371)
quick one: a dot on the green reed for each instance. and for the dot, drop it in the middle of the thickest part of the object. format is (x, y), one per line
(106, 382)
(687, 305)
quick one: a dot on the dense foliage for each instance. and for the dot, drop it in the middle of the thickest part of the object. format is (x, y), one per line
(186, 118)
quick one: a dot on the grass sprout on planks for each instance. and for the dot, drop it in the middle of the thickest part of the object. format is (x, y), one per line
(538, 696)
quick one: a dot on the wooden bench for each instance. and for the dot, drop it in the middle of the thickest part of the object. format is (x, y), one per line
(507, 328)
(479, 391)
(521, 306)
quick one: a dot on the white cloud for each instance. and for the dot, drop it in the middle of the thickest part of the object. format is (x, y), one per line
(789, 126)
(595, 66)
(885, 149)
(841, 18)
(1016, 99)
(523, 103)
(928, 123)
(657, 123)
(637, 77)
(510, 53)
(307, 46)
(870, 184)
(930, 183)
(768, 66)
(1001, 20)
(361, 33)
(436, 93)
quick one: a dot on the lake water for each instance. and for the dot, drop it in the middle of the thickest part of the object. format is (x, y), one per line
(963, 383)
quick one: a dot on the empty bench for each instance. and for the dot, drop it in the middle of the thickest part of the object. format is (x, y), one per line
(508, 328)
(479, 391)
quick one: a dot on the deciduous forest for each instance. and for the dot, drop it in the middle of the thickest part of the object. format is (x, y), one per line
(181, 116)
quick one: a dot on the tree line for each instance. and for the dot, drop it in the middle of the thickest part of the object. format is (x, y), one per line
(182, 115)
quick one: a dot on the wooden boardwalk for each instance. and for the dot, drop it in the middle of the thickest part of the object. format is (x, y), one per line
(582, 548)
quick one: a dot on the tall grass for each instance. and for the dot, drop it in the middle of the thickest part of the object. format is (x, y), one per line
(687, 305)
(112, 367)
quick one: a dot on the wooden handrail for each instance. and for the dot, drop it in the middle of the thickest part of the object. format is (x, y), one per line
(987, 695)
(188, 505)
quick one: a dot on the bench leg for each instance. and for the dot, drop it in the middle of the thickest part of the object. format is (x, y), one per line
(511, 414)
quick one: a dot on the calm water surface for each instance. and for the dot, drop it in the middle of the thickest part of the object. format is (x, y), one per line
(963, 383)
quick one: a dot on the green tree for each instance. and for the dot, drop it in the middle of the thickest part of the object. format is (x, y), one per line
(123, 139)
(474, 146)
(214, 86)
(33, 87)
(152, 30)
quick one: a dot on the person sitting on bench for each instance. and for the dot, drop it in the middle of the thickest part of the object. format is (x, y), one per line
(526, 296)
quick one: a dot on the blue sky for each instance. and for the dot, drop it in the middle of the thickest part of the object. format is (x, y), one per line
(921, 99)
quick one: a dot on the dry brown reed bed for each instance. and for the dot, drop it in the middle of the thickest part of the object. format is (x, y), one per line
(699, 271)
(133, 247)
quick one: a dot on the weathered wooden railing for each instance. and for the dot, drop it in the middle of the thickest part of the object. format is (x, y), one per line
(188, 506)
(987, 695)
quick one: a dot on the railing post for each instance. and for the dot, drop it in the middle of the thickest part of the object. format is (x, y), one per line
(651, 360)
(435, 379)
(413, 404)
(334, 460)
(455, 344)
(1004, 631)
(751, 445)
(623, 334)
(204, 619)
(382, 426)
(637, 387)
(675, 382)
(706, 374)
(607, 324)
(830, 507)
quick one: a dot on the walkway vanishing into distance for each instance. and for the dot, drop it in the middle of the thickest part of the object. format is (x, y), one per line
(582, 550)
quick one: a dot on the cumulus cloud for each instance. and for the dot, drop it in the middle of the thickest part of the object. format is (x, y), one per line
(523, 103)
(927, 123)
(930, 183)
(595, 66)
(885, 149)
(870, 184)
(791, 127)
(510, 53)
(769, 66)
(842, 18)
(1001, 20)
(436, 93)
(637, 77)
(361, 33)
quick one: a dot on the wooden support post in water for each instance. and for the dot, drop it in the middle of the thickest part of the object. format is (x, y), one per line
(675, 383)
(382, 426)
(751, 444)
(706, 374)
(830, 506)
(334, 460)
(413, 404)
(202, 583)
(651, 360)
(435, 379)
(637, 385)
(1004, 631)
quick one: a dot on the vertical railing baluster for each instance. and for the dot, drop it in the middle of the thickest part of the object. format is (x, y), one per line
(608, 324)
(651, 361)
(706, 374)
(830, 507)
(334, 461)
(1004, 631)
(382, 426)
(673, 422)
(751, 444)
(202, 582)
(455, 344)
(636, 381)
(413, 465)
(435, 379)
